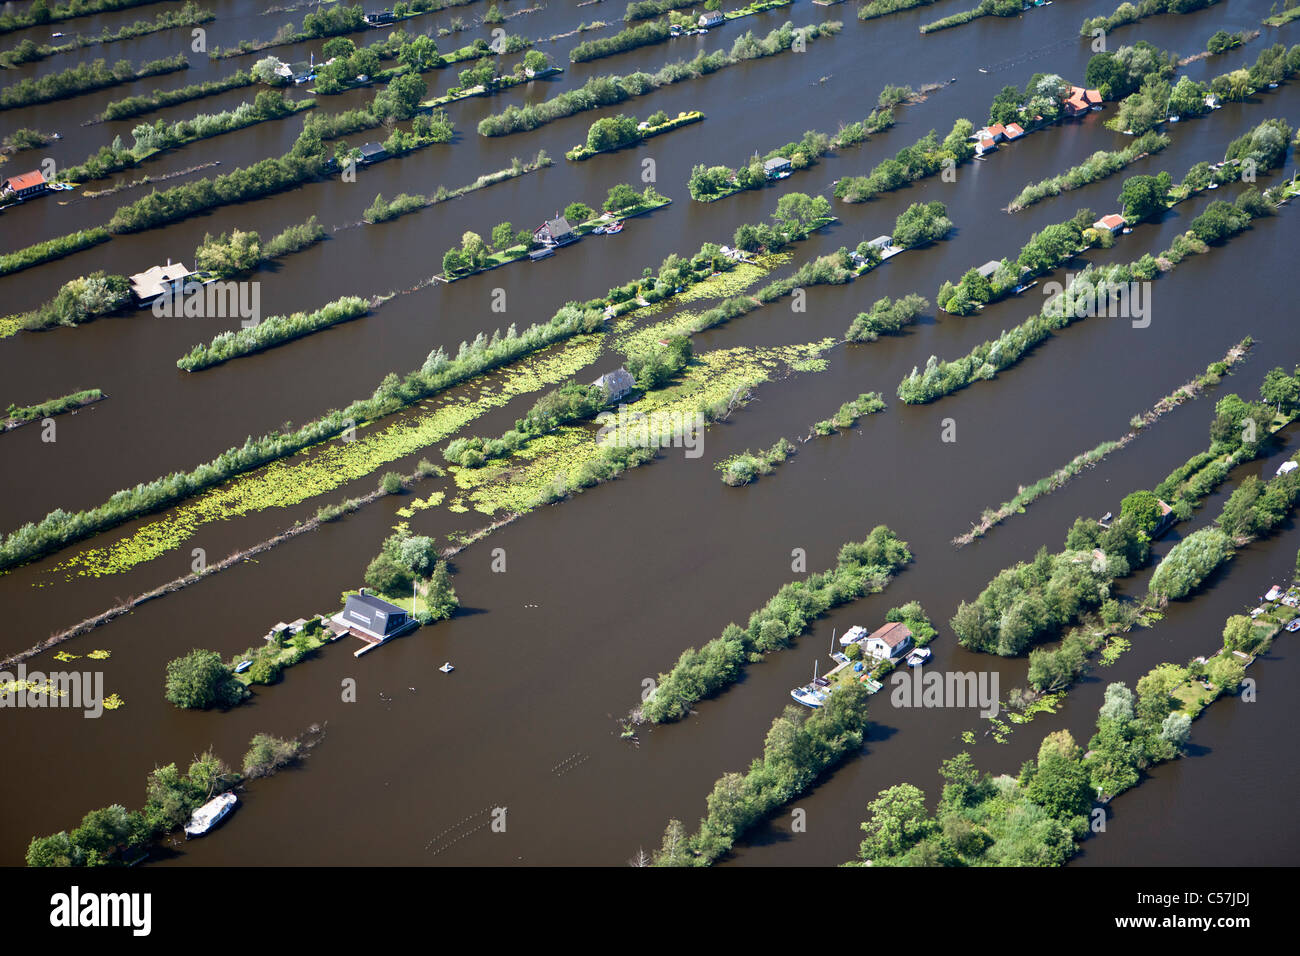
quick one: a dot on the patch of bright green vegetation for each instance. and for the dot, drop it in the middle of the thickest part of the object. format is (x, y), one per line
(516, 485)
(288, 482)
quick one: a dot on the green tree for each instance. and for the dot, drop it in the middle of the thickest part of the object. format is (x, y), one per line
(1141, 197)
(578, 212)
(1060, 782)
(898, 821)
(1142, 509)
(536, 60)
(1155, 689)
(1236, 632)
(622, 196)
(198, 680)
(1281, 390)
(503, 236)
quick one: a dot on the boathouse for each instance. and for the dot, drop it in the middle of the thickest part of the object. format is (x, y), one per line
(617, 384)
(1112, 223)
(892, 640)
(710, 18)
(158, 281)
(1014, 131)
(378, 17)
(1081, 101)
(24, 185)
(774, 167)
(373, 153)
(555, 232)
(372, 619)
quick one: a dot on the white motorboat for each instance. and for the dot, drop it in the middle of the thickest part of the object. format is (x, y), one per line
(918, 657)
(446, 668)
(809, 696)
(210, 814)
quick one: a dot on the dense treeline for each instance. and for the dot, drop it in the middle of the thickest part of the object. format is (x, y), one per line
(40, 12)
(27, 51)
(1253, 510)
(644, 35)
(1086, 295)
(271, 332)
(987, 8)
(1047, 249)
(881, 8)
(1028, 494)
(645, 9)
(1097, 166)
(1115, 74)
(609, 90)
(925, 157)
(83, 78)
(241, 251)
(742, 468)
(115, 836)
(25, 138)
(52, 249)
(800, 747)
(381, 210)
(1127, 13)
(886, 317)
(847, 415)
(263, 178)
(1031, 602)
(439, 372)
(327, 22)
(148, 140)
(921, 223)
(1039, 817)
(80, 300)
(1155, 100)
(862, 568)
(708, 183)
(55, 406)
(615, 132)
(137, 105)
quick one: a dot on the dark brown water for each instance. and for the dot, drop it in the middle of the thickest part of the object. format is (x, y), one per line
(608, 588)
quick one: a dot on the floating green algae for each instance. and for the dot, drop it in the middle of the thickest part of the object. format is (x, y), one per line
(514, 484)
(1116, 646)
(419, 504)
(328, 466)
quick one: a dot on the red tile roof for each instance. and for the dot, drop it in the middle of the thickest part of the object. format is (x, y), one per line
(892, 634)
(25, 180)
(997, 128)
(1015, 130)
(1081, 99)
(1113, 221)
